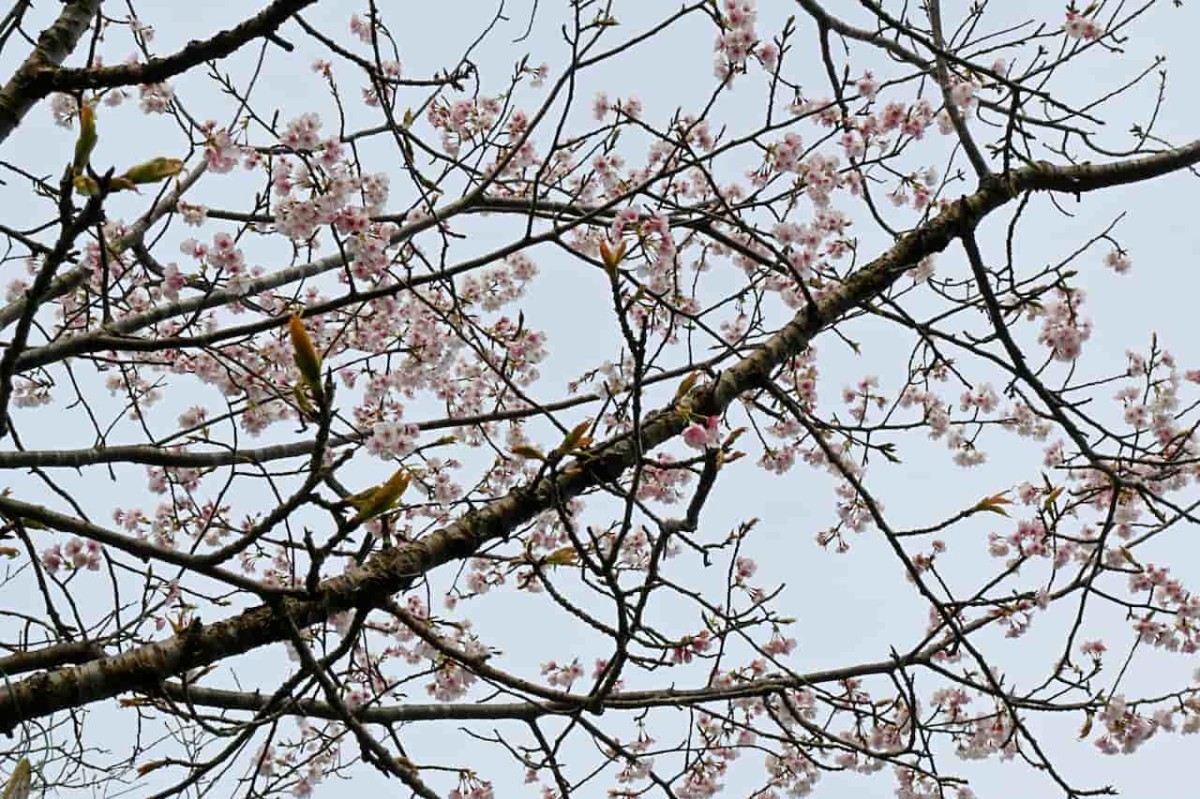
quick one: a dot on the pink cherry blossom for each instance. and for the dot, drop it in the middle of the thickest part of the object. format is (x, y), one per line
(702, 435)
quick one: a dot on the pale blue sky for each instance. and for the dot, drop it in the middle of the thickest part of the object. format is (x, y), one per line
(851, 607)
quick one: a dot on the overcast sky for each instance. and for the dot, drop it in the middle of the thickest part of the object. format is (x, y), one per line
(851, 607)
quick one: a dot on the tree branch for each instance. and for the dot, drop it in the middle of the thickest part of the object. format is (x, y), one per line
(395, 570)
(53, 46)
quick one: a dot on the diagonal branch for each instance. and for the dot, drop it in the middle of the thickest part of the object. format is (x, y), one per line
(395, 570)
(194, 53)
(53, 46)
(41, 73)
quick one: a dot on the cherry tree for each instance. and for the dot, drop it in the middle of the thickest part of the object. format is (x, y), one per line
(432, 401)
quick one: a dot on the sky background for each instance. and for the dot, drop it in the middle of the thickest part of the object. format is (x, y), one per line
(849, 608)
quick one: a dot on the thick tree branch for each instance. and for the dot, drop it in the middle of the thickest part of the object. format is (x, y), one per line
(50, 657)
(220, 45)
(53, 46)
(396, 569)
(41, 74)
(523, 711)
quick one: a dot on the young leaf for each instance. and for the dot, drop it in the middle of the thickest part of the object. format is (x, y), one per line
(121, 183)
(307, 359)
(528, 453)
(612, 258)
(686, 385)
(1087, 727)
(87, 138)
(575, 439)
(154, 170)
(382, 498)
(86, 185)
(888, 451)
(562, 557)
(994, 504)
(733, 436)
(302, 402)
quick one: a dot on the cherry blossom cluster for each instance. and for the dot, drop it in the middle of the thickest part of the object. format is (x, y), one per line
(463, 121)
(562, 675)
(738, 40)
(1082, 25)
(793, 771)
(1125, 730)
(399, 341)
(637, 548)
(1064, 330)
(704, 434)
(1182, 634)
(1031, 539)
(333, 194)
(494, 288)
(316, 747)
(473, 788)
(77, 553)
